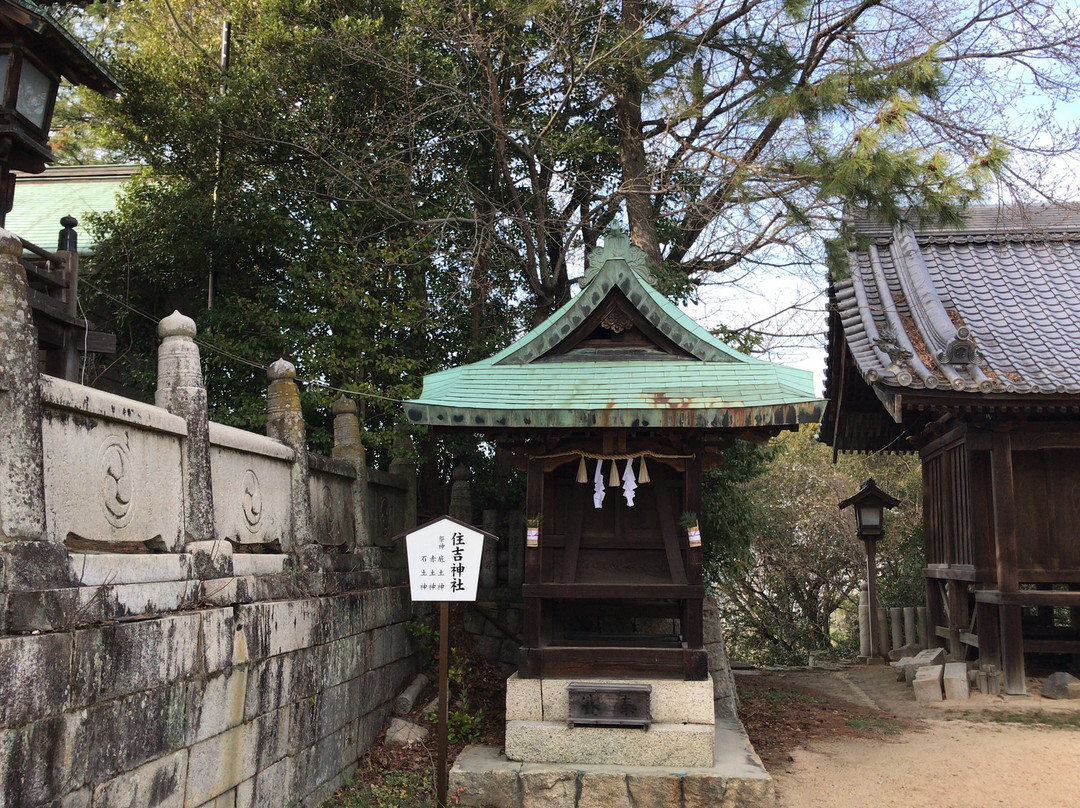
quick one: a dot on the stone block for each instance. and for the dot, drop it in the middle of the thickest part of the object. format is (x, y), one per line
(54, 609)
(218, 635)
(78, 799)
(159, 783)
(742, 793)
(927, 683)
(929, 656)
(116, 660)
(660, 745)
(604, 790)
(94, 569)
(211, 559)
(34, 565)
(405, 733)
(259, 563)
(546, 787)
(125, 601)
(280, 627)
(215, 704)
(226, 800)
(482, 776)
(126, 732)
(909, 650)
(955, 680)
(672, 701)
(35, 672)
(1061, 685)
(132, 490)
(703, 790)
(43, 760)
(221, 592)
(654, 790)
(273, 787)
(246, 470)
(221, 763)
(524, 699)
(901, 666)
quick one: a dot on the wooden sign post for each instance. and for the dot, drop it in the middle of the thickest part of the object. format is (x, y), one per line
(444, 566)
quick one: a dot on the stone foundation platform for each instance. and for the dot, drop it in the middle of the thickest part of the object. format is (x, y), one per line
(482, 777)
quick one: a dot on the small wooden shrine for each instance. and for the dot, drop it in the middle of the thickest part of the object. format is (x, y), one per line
(964, 345)
(615, 407)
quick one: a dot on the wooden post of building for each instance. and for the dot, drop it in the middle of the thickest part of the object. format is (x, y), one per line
(1012, 638)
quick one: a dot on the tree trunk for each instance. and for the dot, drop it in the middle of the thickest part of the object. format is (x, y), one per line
(636, 186)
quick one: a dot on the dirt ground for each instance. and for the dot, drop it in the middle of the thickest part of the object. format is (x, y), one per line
(855, 737)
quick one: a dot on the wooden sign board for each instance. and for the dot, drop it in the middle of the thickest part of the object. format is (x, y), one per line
(444, 561)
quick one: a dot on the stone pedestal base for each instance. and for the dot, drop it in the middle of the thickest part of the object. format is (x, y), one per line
(483, 776)
(681, 734)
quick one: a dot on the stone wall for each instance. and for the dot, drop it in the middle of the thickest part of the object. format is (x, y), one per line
(190, 614)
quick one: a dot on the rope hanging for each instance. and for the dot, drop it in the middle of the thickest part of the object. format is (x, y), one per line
(598, 456)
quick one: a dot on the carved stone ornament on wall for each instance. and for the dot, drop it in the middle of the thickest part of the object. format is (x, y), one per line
(117, 488)
(251, 500)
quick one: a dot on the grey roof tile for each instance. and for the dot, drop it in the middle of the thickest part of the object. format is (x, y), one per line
(1011, 276)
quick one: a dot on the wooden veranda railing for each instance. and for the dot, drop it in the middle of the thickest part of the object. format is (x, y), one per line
(53, 279)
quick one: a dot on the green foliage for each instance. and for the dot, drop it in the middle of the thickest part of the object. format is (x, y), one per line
(411, 788)
(784, 560)
(463, 721)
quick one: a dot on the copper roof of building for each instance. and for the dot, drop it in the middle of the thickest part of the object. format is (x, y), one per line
(987, 315)
(618, 354)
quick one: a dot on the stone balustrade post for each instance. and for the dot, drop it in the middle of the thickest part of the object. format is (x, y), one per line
(349, 446)
(22, 476)
(404, 466)
(285, 422)
(460, 494)
(180, 390)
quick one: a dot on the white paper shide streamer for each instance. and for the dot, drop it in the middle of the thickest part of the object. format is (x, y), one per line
(599, 492)
(629, 482)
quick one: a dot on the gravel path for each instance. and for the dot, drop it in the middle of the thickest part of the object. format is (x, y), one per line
(982, 752)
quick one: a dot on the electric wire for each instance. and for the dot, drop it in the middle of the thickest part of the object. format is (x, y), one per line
(202, 343)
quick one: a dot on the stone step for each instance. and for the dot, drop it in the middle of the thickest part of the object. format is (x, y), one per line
(483, 776)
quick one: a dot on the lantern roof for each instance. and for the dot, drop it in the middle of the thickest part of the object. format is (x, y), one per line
(618, 354)
(869, 492)
(56, 46)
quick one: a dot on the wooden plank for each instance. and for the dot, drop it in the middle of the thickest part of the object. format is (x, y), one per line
(935, 610)
(1057, 576)
(989, 630)
(940, 444)
(580, 591)
(1031, 442)
(1053, 646)
(1012, 637)
(1027, 597)
(39, 275)
(568, 571)
(667, 529)
(957, 618)
(951, 572)
(657, 663)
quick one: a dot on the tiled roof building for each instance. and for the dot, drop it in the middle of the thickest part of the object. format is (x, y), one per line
(964, 344)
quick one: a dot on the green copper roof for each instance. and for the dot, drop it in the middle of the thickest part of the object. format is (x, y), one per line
(41, 200)
(687, 378)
